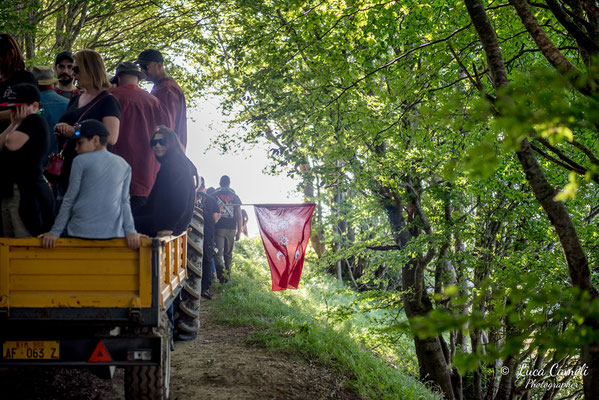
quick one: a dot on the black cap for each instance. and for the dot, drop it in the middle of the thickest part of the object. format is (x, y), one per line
(21, 94)
(127, 67)
(147, 56)
(90, 128)
(64, 55)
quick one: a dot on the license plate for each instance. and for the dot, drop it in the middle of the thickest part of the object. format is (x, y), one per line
(31, 350)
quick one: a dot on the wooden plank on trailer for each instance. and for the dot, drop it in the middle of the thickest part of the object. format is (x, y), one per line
(82, 283)
(71, 299)
(70, 267)
(77, 253)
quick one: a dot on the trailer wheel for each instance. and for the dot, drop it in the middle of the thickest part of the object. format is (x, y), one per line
(152, 382)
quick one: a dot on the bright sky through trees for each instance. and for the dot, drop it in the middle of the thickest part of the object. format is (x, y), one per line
(205, 122)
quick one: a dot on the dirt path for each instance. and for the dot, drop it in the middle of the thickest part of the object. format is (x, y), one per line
(218, 365)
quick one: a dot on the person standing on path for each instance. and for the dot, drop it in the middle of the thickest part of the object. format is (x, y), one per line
(211, 217)
(228, 228)
(167, 90)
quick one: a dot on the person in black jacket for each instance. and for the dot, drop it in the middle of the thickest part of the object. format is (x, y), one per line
(26, 199)
(169, 207)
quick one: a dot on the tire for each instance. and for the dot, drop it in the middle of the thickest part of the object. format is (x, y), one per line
(152, 382)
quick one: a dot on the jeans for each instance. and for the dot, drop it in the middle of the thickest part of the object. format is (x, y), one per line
(225, 240)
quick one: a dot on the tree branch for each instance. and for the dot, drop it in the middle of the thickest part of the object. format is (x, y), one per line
(547, 47)
(577, 33)
(560, 154)
(556, 161)
(396, 59)
(586, 151)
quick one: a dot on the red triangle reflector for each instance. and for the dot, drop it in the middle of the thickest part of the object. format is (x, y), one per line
(100, 354)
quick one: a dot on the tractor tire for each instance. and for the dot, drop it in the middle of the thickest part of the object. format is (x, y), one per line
(187, 316)
(152, 382)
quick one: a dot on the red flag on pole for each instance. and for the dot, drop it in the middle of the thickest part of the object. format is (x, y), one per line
(285, 231)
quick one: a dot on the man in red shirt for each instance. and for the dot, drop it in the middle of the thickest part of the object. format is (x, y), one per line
(141, 113)
(166, 90)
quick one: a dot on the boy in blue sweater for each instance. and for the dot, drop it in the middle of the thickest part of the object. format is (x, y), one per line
(96, 204)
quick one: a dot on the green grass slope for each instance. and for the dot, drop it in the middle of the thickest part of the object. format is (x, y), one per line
(306, 323)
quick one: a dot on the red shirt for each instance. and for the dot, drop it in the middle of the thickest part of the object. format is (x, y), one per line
(171, 96)
(141, 113)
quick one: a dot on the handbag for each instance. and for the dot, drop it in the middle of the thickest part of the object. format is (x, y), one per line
(53, 168)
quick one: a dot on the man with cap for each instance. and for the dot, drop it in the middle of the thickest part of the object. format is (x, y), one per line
(96, 204)
(53, 104)
(27, 202)
(141, 113)
(166, 90)
(63, 65)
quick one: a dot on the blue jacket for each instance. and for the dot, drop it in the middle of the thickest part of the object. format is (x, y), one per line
(54, 105)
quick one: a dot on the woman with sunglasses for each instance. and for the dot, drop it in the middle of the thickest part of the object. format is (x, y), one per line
(95, 102)
(170, 204)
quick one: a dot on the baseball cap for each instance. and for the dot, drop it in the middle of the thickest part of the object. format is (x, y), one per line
(149, 55)
(21, 94)
(127, 67)
(62, 55)
(90, 128)
(44, 75)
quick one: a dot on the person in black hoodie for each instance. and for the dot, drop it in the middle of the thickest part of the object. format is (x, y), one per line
(169, 207)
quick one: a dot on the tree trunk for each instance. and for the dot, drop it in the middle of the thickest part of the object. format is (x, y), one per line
(506, 384)
(556, 211)
(315, 237)
(33, 10)
(431, 358)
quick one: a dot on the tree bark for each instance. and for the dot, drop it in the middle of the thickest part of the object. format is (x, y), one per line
(556, 211)
(316, 236)
(506, 384)
(431, 357)
(547, 47)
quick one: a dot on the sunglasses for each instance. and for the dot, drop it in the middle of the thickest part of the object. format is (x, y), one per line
(76, 69)
(161, 141)
(143, 67)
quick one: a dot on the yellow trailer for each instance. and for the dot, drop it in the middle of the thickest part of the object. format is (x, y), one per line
(92, 303)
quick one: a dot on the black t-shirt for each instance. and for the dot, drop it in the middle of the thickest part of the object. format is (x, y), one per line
(103, 105)
(228, 213)
(18, 77)
(210, 206)
(28, 160)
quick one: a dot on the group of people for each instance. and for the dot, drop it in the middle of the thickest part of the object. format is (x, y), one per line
(224, 221)
(104, 158)
(117, 165)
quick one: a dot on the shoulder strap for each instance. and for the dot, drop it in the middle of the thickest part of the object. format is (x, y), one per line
(104, 94)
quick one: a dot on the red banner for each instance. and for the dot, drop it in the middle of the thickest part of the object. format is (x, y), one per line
(285, 231)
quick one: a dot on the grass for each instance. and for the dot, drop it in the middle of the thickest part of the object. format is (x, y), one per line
(311, 322)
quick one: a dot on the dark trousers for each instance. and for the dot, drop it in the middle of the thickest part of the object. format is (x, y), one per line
(207, 261)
